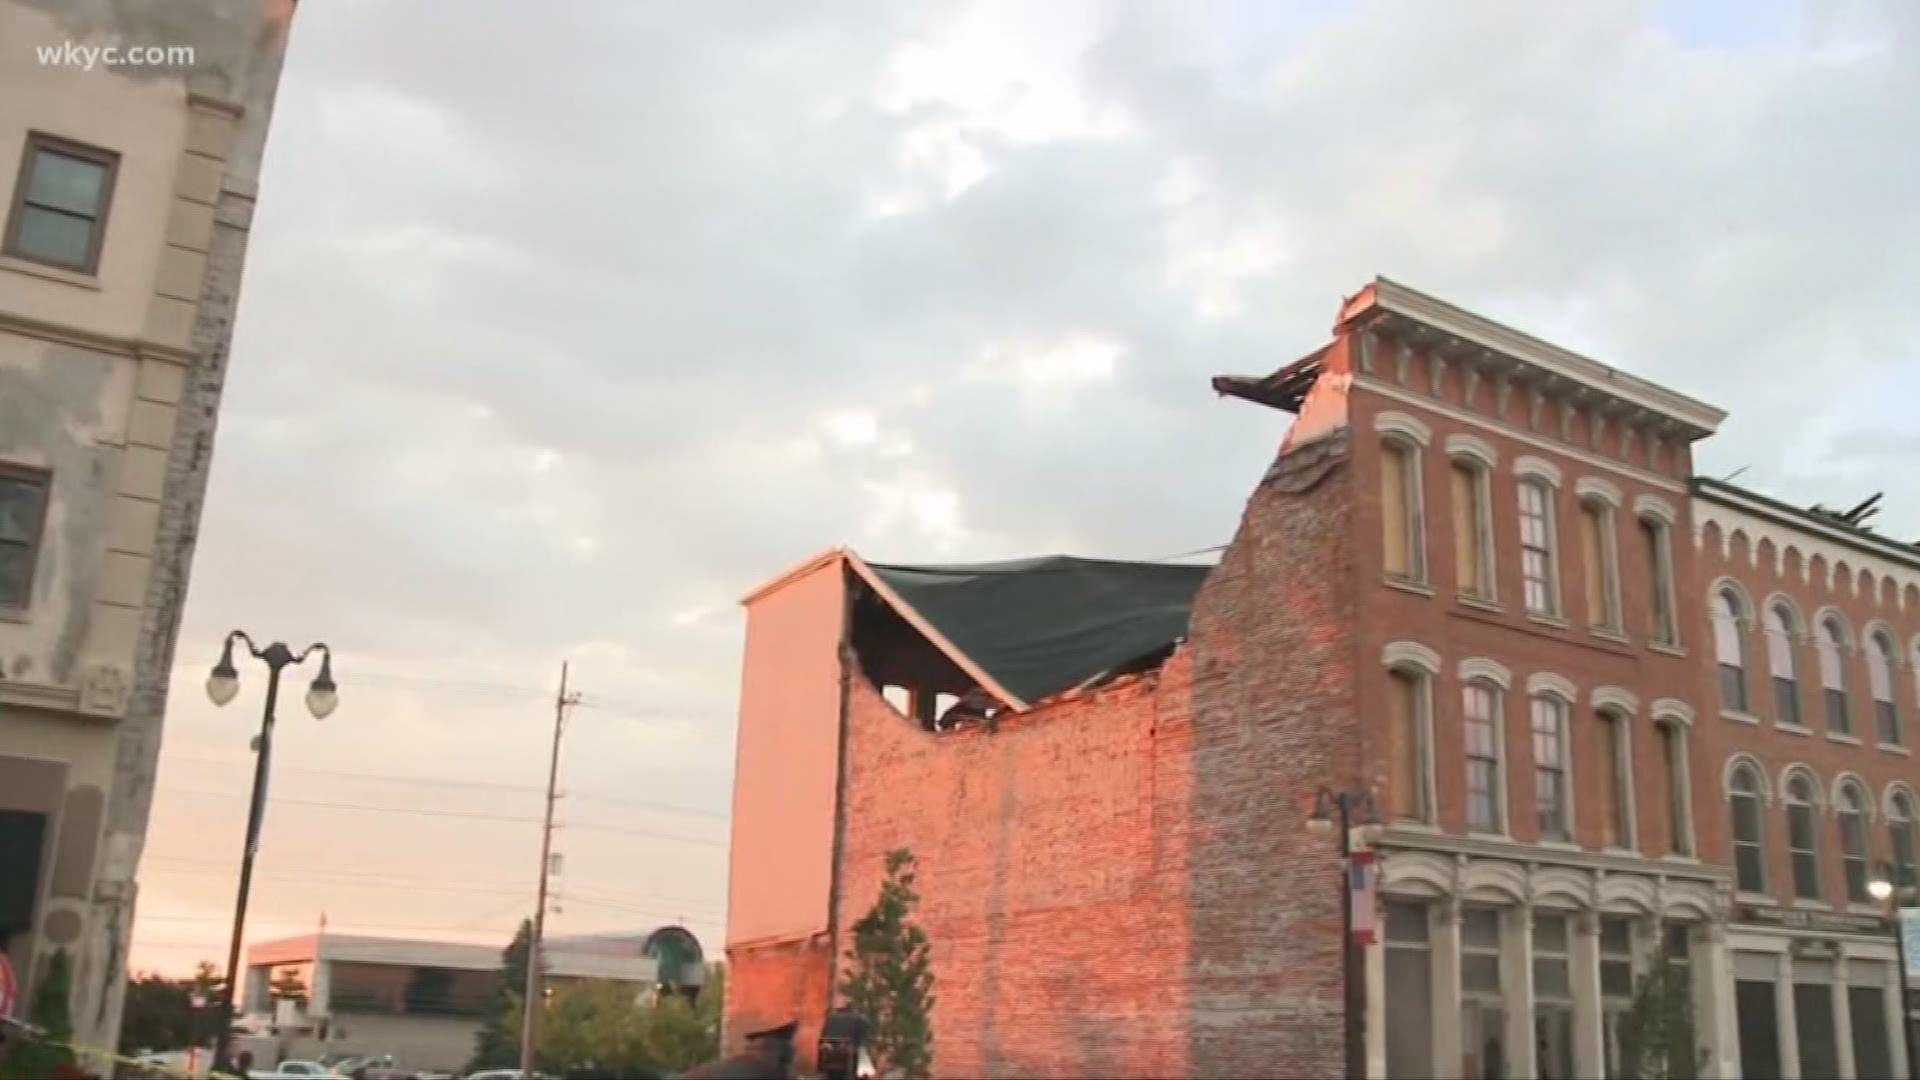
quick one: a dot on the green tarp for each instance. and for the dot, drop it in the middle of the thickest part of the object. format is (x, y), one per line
(1040, 626)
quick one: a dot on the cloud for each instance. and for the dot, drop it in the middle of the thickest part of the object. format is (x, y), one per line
(560, 333)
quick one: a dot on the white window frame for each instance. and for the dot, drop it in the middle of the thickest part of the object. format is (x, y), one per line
(1730, 613)
(1480, 679)
(1674, 721)
(1783, 634)
(1399, 431)
(1901, 809)
(1556, 691)
(1883, 658)
(1793, 775)
(1533, 475)
(1422, 665)
(1832, 640)
(1659, 515)
(1603, 500)
(1850, 797)
(1480, 459)
(1738, 767)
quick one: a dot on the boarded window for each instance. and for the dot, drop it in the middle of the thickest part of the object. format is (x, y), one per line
(1654, 539)
(1600, 565)
(1472, 544)
(1616, 789)
(1406, 713)
(1400, 511)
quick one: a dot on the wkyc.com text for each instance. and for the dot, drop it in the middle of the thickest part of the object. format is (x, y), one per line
(88, 57)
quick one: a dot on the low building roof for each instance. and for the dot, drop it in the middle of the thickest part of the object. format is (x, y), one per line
(460, 956)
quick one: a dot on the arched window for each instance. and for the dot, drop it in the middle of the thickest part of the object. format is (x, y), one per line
(1850, 812)
(1833, 674)
(1403, 531)
(1744, 802)
(1886, 716)
(1471, 490)
(1803, 836)
(1786, 689)
(1600, 563)
(1656, 537)
(1410, 741)
(1539, 575)
(1486, 784)
(1900, 829)
(1729, 648)
(1553, 800)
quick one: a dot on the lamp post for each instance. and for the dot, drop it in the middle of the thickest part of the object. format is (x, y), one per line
(223, 682)
(1883, 890)
(1346, 808)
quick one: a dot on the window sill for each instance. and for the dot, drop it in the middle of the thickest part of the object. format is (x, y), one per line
(1812, 905)
(1482, 603)
(1559, 845)
(1545, 619)
(52, 273)
(1850, 740)
(1610, 633)
(1418, 588)
(1681, 860)
(1857, 908)
(13, 614)
(1756, 899)
(1631, 853)
(1895, 748)
(1739, 717)
(1483, 834)
(1413, 825)
(1664, 647)
(1794, 729)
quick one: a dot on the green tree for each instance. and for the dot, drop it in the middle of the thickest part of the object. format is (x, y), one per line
(158, 1014)
(890, 975)
(1657, 1040)
(497, 1045)
(288, 986)
(46, 1052)
(712, 1005)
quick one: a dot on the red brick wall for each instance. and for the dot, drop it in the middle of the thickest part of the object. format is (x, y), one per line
(1753, 563)
(771, 983)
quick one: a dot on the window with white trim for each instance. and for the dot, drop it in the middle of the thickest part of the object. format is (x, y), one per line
(1850, 814)
(1410, 742)
(1485, 787)
(1745, 805)
(1786, 689)
(1483, 1005)
(1552, 804)
(1656, 540)
(1833, 674)
(1616, 790)
(1886, 716)
(1553, 993)
(1729, 649)
(1409, 949)
(1538, 574)
(1616, 985)
(1900, 831)
(1673, 754)
(1803, 837)
(1472, 528)
(1600, 561)
(1403, 532)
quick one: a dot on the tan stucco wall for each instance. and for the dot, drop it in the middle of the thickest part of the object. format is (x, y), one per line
(787, 759)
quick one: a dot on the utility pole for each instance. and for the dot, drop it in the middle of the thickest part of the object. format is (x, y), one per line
(535, 1002)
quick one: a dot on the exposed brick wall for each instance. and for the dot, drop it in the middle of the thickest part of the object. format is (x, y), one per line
(770, 984)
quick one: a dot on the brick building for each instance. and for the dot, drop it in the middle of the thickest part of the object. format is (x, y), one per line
(1816, 644)
(1467, 588)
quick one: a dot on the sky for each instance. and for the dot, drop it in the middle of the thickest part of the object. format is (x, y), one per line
(564, 325)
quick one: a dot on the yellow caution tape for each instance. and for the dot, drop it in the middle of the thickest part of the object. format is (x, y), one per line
(112, 1055)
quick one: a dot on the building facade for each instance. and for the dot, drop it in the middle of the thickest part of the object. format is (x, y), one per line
(130, 144)
(420, 1002)
(1475, 591)
(1815, 628)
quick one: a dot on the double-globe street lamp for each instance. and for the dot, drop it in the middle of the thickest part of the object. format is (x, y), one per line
(1883, 889)
(223, 682)
(1347, 809)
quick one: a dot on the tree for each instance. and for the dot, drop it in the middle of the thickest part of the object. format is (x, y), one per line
(1657, 1039)
(46, 1052)
(497, 1045)
(712, 1005)
(287, 986)
(158, 1015)
(890, 976)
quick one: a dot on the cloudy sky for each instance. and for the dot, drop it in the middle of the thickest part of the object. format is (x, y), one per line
(567, 323)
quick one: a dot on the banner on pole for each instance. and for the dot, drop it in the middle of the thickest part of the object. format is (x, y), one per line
(1363, 882)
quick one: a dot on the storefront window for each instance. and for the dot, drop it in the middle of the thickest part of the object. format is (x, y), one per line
(1758, 1016)
(1552, 998)
(1410, 996)
(1483, 1017)
(1616, 984)
(1813, 1018)
(1867, 1001)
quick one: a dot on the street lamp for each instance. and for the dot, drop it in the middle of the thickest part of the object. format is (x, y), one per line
(1882, 889)
(223, 682)
(1349, 808)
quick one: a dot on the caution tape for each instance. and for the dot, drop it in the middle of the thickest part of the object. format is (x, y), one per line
(39, 1034)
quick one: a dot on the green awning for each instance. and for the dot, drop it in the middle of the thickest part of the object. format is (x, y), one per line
(1041, 626)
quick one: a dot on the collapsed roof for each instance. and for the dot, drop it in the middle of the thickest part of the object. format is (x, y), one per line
(1037, 627)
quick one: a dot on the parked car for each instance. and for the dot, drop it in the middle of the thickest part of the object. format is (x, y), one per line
(292, 1070)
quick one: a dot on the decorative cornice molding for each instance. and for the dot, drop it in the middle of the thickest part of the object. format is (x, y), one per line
(1653, 506)
(1554, 684)
(1891, 568)
(1671, 709)
(1481, 669)
(25, 695)
(135, 348)
(1461, 444)
(1538, 468)
(1400, 654)
(1593, 487)
(1399, 423)
(1615, 697)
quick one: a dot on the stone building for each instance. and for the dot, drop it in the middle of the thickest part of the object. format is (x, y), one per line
(130, 143)
(1472, 591)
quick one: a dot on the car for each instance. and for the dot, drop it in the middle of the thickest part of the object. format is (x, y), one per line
(292, 1070)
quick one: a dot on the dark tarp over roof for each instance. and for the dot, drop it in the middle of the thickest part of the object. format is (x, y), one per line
(1040, 626)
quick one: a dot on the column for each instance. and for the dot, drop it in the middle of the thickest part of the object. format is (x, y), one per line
(1373, 973)
(1713, 1000)
(1516, 956)
(1843, 1019)
(1447, 1051)
(1789, 1033)
(1589, 1033)
(1896, 1018)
